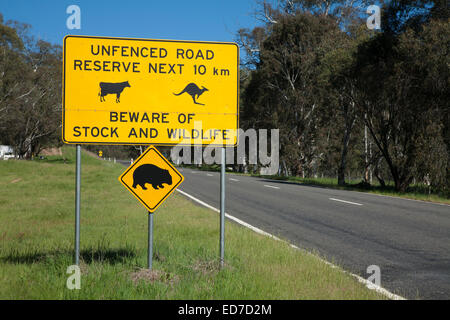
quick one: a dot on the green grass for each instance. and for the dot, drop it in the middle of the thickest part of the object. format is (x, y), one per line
(37, 234)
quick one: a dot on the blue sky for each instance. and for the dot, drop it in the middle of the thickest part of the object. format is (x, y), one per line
(209, 20)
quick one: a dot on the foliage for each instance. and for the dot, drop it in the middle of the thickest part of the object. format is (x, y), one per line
(348, 99)
(30, 90)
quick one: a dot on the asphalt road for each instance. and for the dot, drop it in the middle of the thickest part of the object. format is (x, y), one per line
(409, 240)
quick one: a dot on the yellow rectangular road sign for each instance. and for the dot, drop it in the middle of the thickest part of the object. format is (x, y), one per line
(143, 91)
(151, 178)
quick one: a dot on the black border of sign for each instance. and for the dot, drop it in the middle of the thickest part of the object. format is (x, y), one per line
(143, 143)
(151, 147)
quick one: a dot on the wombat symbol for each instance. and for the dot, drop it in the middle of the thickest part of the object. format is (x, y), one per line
(149, 173)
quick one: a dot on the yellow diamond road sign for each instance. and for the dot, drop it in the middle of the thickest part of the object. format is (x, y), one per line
(151, 178)
(145, 91)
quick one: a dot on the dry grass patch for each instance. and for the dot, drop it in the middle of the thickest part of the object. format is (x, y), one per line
(206, 267)
(152, 276)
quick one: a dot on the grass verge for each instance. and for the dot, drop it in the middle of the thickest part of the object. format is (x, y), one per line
(37, 234)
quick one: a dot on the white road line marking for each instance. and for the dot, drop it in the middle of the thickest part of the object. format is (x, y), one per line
(367, 283)
(234, 179)
(355, 203)
(209, 175)
(266, 185)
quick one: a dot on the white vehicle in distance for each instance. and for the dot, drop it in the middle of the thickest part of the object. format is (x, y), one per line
(9, 155)
(6, 152)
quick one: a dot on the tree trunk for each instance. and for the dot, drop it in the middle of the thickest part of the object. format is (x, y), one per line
(377, 173)
(343, 163)
(402, 183)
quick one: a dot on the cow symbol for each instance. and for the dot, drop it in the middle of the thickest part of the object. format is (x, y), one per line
(111, 88)
(149, 173)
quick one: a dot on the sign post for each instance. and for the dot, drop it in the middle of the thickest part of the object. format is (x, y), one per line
(151, 179)
(128, 91)
(150, 240)
(222, 208)
(77, 203)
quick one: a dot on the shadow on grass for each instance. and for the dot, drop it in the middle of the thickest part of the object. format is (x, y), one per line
(88, 256)
(56, 160)
(111, 256)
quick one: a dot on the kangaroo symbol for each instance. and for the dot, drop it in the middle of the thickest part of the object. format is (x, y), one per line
(194, 91)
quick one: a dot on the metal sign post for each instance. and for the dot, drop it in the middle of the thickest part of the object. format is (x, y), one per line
(179, 83)
(161, 178)
(150, 240)
(222, 208)
(77, 204)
